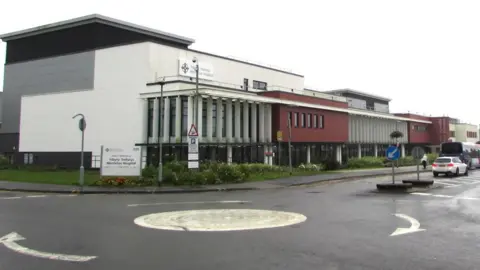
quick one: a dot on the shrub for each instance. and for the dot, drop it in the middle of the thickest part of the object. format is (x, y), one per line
(365, 163)
(230, 174)
(407, 161)
(330, 164)
(431, 157)
(149, 172)
(177, 166)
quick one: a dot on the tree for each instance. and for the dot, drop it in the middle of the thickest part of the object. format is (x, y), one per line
(396, 134)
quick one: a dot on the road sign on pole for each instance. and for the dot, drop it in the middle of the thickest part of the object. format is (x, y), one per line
(393, 154)
(193, 147)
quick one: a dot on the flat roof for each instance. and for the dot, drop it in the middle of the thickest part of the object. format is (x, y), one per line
(96, 18)
(356, 92)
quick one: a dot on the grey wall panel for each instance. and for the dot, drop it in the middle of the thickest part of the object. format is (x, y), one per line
(374, 130)
(52, 75)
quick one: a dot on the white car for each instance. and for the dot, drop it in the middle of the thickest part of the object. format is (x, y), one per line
(449, 166)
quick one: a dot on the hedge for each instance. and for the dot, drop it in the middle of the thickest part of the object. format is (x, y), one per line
(379, 162)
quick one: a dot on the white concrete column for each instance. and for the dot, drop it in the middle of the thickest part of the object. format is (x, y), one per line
(200, 119)
(229, 120)
(308, 153)
(265, 157)
(238, 112)
(219, 133)
(253, 123)
(270, 158)
(209, 119)
(145, 119)
(375, 149)
(229, 154)
(246, 122)
(268, 122)
(178, 118)
(261, 122)
(166, 119)
(339, 154)
(402, 147)
(359, 151)
(156, 116)
(190, 113)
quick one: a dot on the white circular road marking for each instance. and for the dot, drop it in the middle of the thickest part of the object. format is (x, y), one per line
(219, 220)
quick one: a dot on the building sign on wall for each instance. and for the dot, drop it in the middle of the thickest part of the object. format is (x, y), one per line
(187, 68)
(117, 161)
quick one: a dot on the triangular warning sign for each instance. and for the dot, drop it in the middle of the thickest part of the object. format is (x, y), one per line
(193, 131)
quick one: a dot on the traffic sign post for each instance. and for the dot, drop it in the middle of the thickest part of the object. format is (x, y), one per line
(393, 154)
(193, 147)
(417, 153)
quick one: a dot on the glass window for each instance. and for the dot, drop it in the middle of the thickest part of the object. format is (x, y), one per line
(320, 121)
(184, 116)
(315, 121)
(309, 120)
(224, 119)
(173, 116)
(214, 119)
(150, 118)
(295, 119)
(204, 117)
(302, 120)
(162, 116)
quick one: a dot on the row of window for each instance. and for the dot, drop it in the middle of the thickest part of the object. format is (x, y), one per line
(255, 85)
(306, 120)
(420, 128)
(472, 134)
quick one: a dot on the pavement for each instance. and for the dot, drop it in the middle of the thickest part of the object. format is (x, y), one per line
(342, 225)
(277, 183)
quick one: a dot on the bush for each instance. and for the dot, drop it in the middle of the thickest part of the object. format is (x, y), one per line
(230, 174)
(407, 161)
(331, 164)
(149, 172)
(365, 163)
(431, 157)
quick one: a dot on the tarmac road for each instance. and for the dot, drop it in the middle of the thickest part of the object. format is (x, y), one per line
(347, 226)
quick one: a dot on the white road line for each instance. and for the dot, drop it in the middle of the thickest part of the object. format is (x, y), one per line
(421, 194)
(171, 203)
(10, 198)
(442, 196)
(446, 184)
(469, 198)
(67, 195)
(455, 182)
(36, 196)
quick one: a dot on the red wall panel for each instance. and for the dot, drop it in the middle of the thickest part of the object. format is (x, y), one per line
(335, 125)
(418, 136)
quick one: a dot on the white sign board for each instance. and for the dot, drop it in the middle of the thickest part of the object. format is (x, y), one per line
(186, 67)
(192, 145)
(117, 161)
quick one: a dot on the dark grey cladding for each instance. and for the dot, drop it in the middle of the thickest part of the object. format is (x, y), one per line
(74, 72)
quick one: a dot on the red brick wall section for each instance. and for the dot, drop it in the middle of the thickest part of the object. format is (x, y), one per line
(306, 99)
(335, 125)
(416, 135)
(413, 116)
(440, 130)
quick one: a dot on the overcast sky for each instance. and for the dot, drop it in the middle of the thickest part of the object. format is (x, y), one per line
(424, 54)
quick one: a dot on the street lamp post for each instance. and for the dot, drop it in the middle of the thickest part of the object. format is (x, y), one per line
(160, 140)
(82, 124)
(195, 105)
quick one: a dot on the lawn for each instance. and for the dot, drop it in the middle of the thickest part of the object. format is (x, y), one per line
(48, 177)
(71, 177)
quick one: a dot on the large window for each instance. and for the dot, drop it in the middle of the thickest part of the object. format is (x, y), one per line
(173, 116)
(150, 118)
(162, 116)
(184, 116)
(204, 117)
(214, 119)
(259, 85)
(295, 119)
(315, 121)
(420, 128)
(320, 121)
(224, 119)
(309, 120)
(302, 120)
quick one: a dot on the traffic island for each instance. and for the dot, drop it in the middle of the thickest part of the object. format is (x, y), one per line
(419, 183)
(395, 188)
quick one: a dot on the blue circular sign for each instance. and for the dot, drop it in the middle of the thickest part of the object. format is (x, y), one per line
(393, 153)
